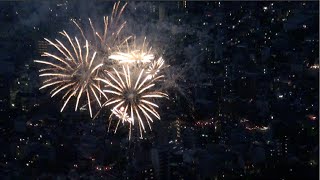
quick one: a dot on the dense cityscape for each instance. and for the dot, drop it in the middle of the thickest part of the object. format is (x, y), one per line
(244, 103)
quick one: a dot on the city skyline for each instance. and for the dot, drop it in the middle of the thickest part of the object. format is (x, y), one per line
(243, 93)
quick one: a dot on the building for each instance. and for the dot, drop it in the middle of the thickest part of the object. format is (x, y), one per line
(6, 76)
(160, 160)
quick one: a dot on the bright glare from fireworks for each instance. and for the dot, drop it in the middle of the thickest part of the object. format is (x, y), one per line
(133, 55)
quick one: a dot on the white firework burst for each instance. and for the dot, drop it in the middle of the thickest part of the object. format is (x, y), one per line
(134, 92)
(71, 72)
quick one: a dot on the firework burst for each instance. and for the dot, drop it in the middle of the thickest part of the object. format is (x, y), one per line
(107, 66)
(134, 92)
(72, 72)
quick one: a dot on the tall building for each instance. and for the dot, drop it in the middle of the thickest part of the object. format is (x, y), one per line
(189, 139)
(5, 94)
(175, 132)
(6, 76)
(160, 160)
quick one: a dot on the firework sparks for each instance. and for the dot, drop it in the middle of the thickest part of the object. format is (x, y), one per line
(155, 67)
(121, 114)
(135, 92)
(72, 72)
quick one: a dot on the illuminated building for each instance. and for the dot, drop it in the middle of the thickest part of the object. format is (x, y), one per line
(175, 132)
(42, 47)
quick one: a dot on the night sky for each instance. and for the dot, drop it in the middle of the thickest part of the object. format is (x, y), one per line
(242, 83)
